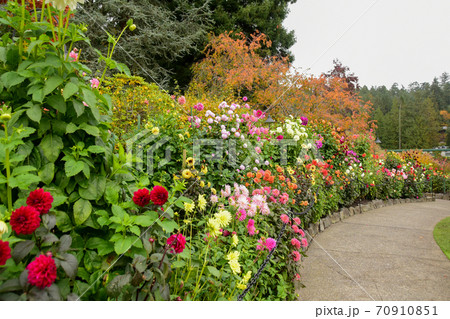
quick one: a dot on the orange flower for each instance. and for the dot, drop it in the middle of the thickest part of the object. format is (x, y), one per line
(259, 175)
(293, 201)
(250, 175)
(281, 178)
(247, 184)
(257, 180)
(279, 169)
(271, 179)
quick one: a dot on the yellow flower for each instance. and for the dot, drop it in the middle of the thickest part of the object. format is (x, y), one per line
(234, 255)
(187, 134)
(202, 184)
(247, 277)
(234, 240)
(181, 137)
(190, 161)
(223, 218)
(201, 202)
(235, 266)
(155, 131)
(148, 126)
(213, 190)
(186, 174)
(241, 286)
(187, 221)
(209, 184)
(204, 169)
(213, 227)
(3, 228)
(189, 207)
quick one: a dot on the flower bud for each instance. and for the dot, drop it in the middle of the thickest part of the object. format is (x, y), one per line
(3, 228)
(5, 117)
(132, 27)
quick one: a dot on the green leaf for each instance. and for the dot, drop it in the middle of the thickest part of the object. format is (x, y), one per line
(79, 107)
(96, 149)
(90, 129)
(11, 79)
(118, 211)
(71, 127)
(69, 90)
(135, 230)
(112, 193)
(38, 95)
(95, 189)
(10, 285)
(47, 172)
(122, 245)
(116, 286)
(63, 221)
(23, 181)
(147, 219)
(35, 113)
(51, 146)
(70, 264)
(22, 170)
(103, 246)
(168, 225)
(22, 249)
(81, 211)
(57, 102)
(89, 97)
(64, 243)
(179, 264)
(52, 83)
(73, 167)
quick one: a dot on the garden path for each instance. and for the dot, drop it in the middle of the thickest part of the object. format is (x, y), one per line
(384, 254)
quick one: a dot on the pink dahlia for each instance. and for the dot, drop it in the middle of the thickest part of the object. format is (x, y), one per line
(42, 271)
(5, 252)
(141, 197)
(25, 220)
(159, 195)
(177, 242)
(40, 200)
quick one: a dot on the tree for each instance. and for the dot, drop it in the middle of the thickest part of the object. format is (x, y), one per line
(342, 72)
(233, 68)
(166, 32)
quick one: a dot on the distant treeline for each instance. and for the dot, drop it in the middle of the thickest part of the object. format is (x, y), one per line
(421, 110)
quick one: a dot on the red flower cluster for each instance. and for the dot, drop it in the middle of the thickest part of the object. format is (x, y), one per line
(159, 195)
(5, 252)
(177, 243)
(141, 197)
(40, 200)
(25, 220)
(42, 271)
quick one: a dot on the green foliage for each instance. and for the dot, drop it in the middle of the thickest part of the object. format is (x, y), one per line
(441, 234)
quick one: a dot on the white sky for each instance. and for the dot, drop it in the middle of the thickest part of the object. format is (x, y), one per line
(394, 41)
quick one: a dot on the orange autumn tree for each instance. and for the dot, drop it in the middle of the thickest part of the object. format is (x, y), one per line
(233, 68)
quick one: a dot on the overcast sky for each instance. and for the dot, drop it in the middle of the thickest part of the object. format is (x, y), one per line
(393, 41)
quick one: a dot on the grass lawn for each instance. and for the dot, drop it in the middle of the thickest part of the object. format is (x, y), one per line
(442, 235)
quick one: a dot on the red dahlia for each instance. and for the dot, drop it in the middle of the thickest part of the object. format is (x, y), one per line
(5, 252)
(141, 197)
(177, 242)
(159, 195)
(40, 200)
(25, 220)
(42, 271)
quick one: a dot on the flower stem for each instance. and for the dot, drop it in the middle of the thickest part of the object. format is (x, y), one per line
(201, 273)
(8, 173)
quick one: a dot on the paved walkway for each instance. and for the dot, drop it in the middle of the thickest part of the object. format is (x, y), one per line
(385, 254)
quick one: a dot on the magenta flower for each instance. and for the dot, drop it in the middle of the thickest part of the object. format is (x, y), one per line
(94, 83)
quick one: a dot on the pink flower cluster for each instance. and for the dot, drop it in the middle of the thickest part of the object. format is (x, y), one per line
(268, 244)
